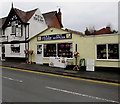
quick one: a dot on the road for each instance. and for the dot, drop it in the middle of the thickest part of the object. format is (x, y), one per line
(21, 86)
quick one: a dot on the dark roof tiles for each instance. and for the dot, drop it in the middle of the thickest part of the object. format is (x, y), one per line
(25, 16)
(48, 16)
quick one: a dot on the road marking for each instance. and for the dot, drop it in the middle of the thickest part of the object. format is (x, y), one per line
(80, 94)
(89, 80)
(12, 79)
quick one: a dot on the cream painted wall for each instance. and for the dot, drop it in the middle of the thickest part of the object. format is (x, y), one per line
(86, 45)
(87, 48)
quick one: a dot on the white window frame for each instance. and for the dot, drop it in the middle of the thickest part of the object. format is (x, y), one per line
(107, 52)
(13, 52)
(18, 31)
(57, 48)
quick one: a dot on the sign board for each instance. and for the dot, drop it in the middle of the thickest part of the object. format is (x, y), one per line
(90, 65)
(58, 62)
(55, 37)
(38, 18)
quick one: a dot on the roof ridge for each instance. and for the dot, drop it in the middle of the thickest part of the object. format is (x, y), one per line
(31, 10)
(49, 12)
(25, 16)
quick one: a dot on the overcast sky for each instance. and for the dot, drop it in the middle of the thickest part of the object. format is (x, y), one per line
(76, 14)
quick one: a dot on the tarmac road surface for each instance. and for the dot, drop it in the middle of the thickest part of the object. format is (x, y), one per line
(22, 86)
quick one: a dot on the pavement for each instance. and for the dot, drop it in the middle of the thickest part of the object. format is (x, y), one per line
(100, 75)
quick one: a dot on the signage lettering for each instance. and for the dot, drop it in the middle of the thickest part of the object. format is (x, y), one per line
(55, 37)
(38, 18)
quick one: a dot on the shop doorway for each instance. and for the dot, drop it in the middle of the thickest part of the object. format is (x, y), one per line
(39, 52)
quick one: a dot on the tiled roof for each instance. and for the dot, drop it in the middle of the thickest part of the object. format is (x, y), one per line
(73, 31)
(2, 20)
(106, 30)
(24, 16)
(48, 16)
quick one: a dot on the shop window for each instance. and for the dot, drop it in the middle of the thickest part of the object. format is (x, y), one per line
(101, 52)
(49, 50)
(15, 48)
(108, 51)
(113, 51)
(65, 50)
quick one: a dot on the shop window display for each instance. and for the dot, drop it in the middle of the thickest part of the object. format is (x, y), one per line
(58, 49)
(65, 50)
(113, 51)
(49, 50)
(108, 51)
(101, 52)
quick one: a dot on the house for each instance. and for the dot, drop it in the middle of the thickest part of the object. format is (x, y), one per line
(103, 49)
(53, 19)
(19, 26)
(106, 30)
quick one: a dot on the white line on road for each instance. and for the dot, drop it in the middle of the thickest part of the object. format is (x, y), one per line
(79, 94)
(12, 79)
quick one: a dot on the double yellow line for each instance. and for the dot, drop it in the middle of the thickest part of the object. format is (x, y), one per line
(62, 76)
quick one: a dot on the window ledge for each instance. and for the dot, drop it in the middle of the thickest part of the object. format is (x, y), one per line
(63, 57)
(107, 59)
(15, 53)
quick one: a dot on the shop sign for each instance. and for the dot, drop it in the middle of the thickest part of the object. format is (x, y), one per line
(55, 37)
(38, 18)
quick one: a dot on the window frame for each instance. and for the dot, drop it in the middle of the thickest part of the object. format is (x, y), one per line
(18, 28)
(107, 59)
(14, 46)
(57, 49)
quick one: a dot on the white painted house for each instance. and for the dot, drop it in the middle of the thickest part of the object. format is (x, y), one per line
(17, 28)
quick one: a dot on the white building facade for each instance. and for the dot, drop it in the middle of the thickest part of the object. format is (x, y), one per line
(17, 29)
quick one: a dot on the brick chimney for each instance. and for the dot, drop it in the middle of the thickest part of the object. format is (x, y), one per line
(59, 15)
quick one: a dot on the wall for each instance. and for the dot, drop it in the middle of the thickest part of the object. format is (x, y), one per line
(86, 45)
(51, 31)
(35, 26)
(9, 54)
(87, 48)
(0, 51)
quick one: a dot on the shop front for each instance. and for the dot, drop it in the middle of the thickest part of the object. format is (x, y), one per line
(60, 45)
(53, 44)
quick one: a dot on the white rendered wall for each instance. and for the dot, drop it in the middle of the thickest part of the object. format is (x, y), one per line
(0, 51)
(35, 26)
(9, 54)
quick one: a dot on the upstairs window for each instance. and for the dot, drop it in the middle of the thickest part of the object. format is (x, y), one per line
(0, 31)
(18, 30)
(13, 27)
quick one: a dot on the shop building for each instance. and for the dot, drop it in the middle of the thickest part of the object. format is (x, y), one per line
(19, 26)
(54, 42)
